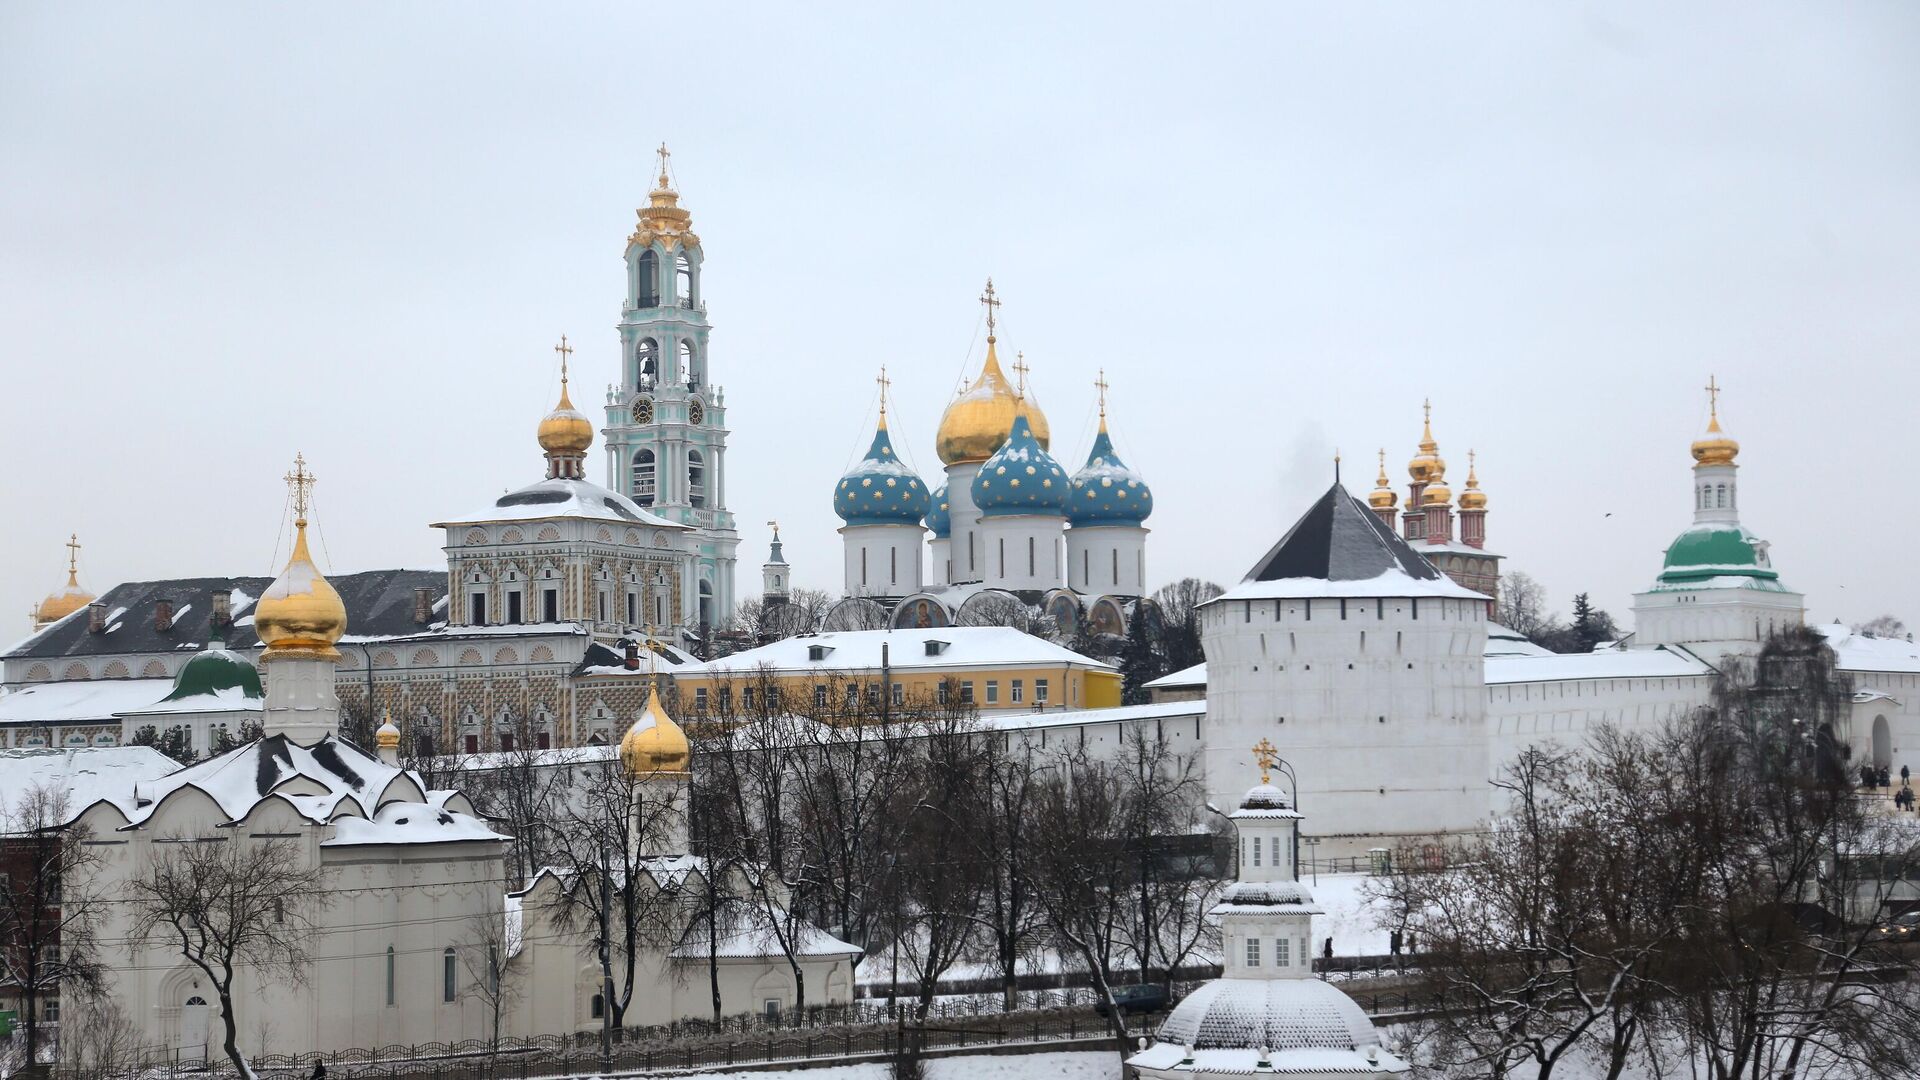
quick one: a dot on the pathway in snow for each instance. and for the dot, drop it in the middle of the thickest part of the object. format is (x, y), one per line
(1061, 1065)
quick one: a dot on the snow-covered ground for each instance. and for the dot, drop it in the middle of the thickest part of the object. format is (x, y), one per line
(1357, 927)
(1061, 1065)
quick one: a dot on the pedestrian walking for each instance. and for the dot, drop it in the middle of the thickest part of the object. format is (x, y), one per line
(1393, 943)
(319, 1070)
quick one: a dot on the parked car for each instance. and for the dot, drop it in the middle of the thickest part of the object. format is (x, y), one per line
(1138, 998)
(1905, 927)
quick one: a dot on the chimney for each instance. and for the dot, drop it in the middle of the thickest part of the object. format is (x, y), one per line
(222, 607)
(163, 615)
(633, 656)
(96, 617)
(422, 606)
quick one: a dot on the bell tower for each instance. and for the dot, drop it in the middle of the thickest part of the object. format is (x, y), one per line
(666, 433)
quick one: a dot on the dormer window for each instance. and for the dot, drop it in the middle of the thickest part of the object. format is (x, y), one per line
(937, 648)
(817, 653)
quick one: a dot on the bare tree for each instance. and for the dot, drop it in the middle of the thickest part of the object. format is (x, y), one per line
(1178, 607)
(1881, 626)
(45, 925)
(1177, 868)
(1003, 843)
(763, 620)
(938, 888)
(1522, 607)
(229, 905)
(489, 942)
(99, 1040)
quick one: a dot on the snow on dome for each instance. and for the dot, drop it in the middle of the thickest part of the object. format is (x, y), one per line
(1020, 477)
(939, 517)
(1106, 491)
(1280, 1014)
(561, 497)
(880, 489)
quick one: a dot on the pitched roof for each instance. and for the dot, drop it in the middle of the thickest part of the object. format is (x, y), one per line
(1344, 546)
(80, 776)
(379, 603)
(859, 650)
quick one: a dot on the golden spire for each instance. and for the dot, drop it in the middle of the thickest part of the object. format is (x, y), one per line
(1473, 498)
(566, 431)
(73, 559)
(1382, 497)
(664, 184)
(663, 220)
(58, 605)
(1716, 448)
(987, 298)
(1264, 755)
(1020, 375)
(1100, 387)
(977, 420)
(1427, 466)
(300, 614)
(884, 384)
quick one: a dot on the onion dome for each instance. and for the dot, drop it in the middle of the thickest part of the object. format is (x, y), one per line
(1105, 491)
(654, 744)
(1021, 477)
(880, 489)
(386, 736)
(300, 614)
(565, 430)
(1472, 498)
(1382, 497)
(68, 599)
(1716, 447)
(977, 421)
(939, 518)
(1427, 466)
(215, 672)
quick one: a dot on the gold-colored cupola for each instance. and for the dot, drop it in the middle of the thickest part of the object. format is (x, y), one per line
(300, 614)
(977, 421)
(1716, 447)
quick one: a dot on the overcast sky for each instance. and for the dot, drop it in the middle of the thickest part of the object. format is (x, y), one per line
(230, 233)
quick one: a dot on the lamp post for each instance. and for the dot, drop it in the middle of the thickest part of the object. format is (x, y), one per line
(1313, 844)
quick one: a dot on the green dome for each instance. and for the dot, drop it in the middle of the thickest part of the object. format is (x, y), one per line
(213, 671)
(1710, 551)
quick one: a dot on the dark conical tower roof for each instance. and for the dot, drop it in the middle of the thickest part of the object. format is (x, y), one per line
(1339, 539)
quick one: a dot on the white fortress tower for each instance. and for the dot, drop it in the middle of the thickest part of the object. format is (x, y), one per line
(1267, 1013)
(1717, 592)
(1345, 648)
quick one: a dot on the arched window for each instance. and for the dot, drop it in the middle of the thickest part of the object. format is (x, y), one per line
(696, 478)
(448, 975)
(683, 280)
(1720, 496)
(389, 974)
(647, 285)
(684, 373)
(706, 603)
(643, 477)
(646, 362)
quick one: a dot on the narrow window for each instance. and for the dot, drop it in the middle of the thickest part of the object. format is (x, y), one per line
(899, 693)
(893, 566)
(1086, 567)
(993, 691)
(643, 477)
(390, 966)
(1019, 688)
(1116, 568)
(1256, 851)
(819, 695)
(1253, 952)
(863, 566)
(966, 693)
(696, 478)
(648, 290)
(599, 1007)
(1040, 691)
(700, 698)
(513, 608)
(1282, 952)
(473, 747)
(1032, 567)
(940, 692)
(477, 609)
(1003, 556)
(550, 605)
(447, 975)
(506, 742)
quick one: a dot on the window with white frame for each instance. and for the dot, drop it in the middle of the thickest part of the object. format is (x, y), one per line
(1253, 952)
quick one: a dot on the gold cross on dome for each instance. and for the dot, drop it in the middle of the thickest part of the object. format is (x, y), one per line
(991, 302)
(73, 553)
(566, 352)
(1020, 370)
(1265, 754)
(664, 155)
(1713, 396)
(884, 384)
(1100, 385)
(301, 481)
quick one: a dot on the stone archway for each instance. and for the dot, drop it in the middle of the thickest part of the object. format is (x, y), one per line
(1882, 743)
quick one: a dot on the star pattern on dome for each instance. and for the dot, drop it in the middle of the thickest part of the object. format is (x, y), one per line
(1109, 492)
(893, 494)
(1020, 456)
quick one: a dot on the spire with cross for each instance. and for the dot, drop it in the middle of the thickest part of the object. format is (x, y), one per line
(1020, 374)
(566, 353)
(885, 384)
(1713, 397)
(665, 184)
(300, 482)
(73, 555)
(1100, 388)
(1265, 754)
(992, 302)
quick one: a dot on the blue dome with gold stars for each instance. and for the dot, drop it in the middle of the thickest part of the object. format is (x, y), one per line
(1020, 477)
(1106, 491)
(938, 517)
(881, 490)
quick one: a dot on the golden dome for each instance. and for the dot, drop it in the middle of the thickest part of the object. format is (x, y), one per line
(388, 736)
(565, 430)
(1427, 466)
(1716, 447)
(654, 744)
(58, 605)
(1436, 494)
(300, 614)
(1382, 497)
(977, 421)
(1472, 498)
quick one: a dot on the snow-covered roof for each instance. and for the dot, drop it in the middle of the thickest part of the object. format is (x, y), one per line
(746, 934)
(1423, 547)
(225, 699)
(1023, 721)
(563, 498)
(1185, 677)
(1305, 1016)
(1659, 662)
(83, 775)
(1502, 641)
(408, 823)
(859, 650)
(1339, 548)
(1267, 898)
(80, 700)
(558, 755)
(1857, 652)
(1388, 583)
(1371, 1060)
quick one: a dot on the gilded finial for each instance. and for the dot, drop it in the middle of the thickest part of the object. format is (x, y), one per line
(884, 384)
(1336, 464)
(776, 530)
(665, 154)
(1264, 755)
(1713, 403)
(1020, 373)
(1100, 386)
(566, 351)
(301, 481)
(73, 559)
(1382, 479)
(991, 303)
